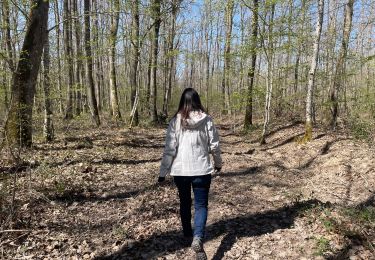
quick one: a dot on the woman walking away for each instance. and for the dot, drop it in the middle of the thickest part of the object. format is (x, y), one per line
(191, 137)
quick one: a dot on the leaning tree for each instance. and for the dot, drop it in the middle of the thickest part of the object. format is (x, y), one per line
(18, 125)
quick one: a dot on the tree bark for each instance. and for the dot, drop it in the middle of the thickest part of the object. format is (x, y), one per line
(208, 42)
(314, 61)
(170, 56)
(269, 79)
(301, 28)
(340, 65)
(7, 37)
(253, 57)
(227, 58)
(68, 59)
(115, 109)
(98, 61)
(149, 73)
(78, 58)
(134, 117)
(90, 80)
(156, 15)
(48, 129)
(58, 33)
(18, 126)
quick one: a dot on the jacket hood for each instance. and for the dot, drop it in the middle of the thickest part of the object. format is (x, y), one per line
(196, 118)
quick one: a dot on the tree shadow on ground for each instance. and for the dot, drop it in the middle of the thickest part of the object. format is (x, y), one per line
(233, 142)
(79, 195)
(104, 161)
(297, 122)
(139, 144)
(250, 151)
(126, 161)
(286, 141)
(324, 150)
(22, 167)
(241, 226)
(248, 171)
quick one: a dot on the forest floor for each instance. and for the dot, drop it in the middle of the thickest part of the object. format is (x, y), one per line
(92, 194)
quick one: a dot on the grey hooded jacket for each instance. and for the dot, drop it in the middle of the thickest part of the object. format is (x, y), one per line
(187, 148)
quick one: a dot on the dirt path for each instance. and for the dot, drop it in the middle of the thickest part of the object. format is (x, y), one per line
(94, 196)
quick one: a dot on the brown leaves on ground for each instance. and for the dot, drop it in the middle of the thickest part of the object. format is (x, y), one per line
(93, 195)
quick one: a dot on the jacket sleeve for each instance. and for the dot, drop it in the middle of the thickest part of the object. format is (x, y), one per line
(170, 149)
(213, 142)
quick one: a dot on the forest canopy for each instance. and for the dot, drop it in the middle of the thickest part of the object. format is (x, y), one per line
(131, 59)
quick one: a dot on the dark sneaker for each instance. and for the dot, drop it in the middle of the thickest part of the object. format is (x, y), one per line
(201, 256)
(186, 240)
(188, 233)
(197, 246)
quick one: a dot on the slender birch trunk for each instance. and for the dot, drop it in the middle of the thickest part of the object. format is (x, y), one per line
(135, 45)
(7, 36)
(269, 79)
(314, 61)
(115, 109)
(48, 129)
(58, 53)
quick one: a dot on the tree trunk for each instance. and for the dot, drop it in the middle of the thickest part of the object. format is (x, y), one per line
(208, 42)
(149, 72)
(4, 78)
(7, 37)
(192, 63)
(331, 45)
(340, 65)
(78, 68)
(18, 126)
(314, 61)
(58, 33)
(269, 79)
(4, 84)
(98, 61)
(48, 129)
(68, 59)
(253, 57)
(156, 15)
(112, 64)
(227, 58)
(301, 28)
(170, 56)
(90, 80)
(134, 117)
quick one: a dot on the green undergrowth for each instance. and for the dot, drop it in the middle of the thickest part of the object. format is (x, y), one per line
(365, 215)
(351, 223)
(322, 246)
(362, 130)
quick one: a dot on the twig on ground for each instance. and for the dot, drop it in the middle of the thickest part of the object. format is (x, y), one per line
(14, 239)
(14, 230)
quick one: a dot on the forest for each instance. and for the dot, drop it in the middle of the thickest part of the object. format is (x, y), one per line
(88, 87)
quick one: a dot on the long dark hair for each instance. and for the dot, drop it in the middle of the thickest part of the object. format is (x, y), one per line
(190, 101)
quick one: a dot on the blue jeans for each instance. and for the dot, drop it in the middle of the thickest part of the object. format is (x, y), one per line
(201, 187)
